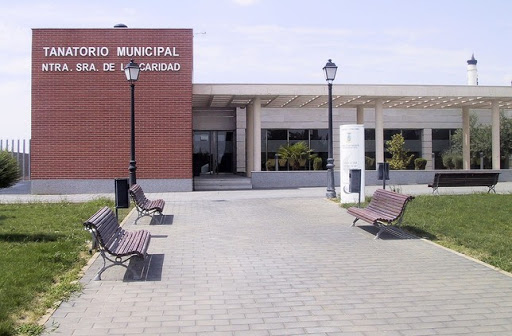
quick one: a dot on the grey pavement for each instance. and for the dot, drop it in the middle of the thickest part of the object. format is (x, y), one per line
(284, 262)
(20, 193)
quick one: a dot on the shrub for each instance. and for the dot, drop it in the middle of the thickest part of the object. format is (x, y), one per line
(448, 161)
(400, 157)
(458, 162)
(270, 164)
(420, 164)
(317, 163)
(452, 160)
(9, 171)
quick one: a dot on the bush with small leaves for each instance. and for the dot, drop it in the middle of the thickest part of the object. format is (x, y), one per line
(420, 164)
(317, 163)
(270, 164)
(400, 157)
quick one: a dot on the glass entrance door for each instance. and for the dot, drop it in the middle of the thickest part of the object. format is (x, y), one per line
(213, 152)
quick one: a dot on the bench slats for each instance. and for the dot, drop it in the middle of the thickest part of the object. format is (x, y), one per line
(133, 242)
(115, 240)
(465, 179)
(108, 230)
(144, 205)
(384, 208)
(105, 225)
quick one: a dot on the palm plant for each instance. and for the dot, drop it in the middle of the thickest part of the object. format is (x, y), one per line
(296, 154)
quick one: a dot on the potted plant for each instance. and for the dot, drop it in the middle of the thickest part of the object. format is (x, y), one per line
(420, 164)
(296, 154)
(317, 163)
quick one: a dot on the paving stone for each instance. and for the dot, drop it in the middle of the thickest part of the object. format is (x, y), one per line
(285, 263)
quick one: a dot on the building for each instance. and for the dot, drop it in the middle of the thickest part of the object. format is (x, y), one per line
(81, 114)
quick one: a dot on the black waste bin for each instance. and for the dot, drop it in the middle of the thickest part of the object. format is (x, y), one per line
(383, 171)
(121, 190)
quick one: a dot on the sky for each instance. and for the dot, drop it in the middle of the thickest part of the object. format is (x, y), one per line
(280, 41)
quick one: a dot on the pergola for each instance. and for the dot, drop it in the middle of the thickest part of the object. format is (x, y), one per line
(378, 97)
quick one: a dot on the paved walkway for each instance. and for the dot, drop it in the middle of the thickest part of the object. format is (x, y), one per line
(285, 262)
(20, 193)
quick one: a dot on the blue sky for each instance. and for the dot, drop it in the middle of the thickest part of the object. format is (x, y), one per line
(281, 41)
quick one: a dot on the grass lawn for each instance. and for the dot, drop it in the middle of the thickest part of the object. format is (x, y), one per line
(478, 225)
(43, 247)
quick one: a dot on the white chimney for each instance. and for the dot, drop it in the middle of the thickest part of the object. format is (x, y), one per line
(472, 72)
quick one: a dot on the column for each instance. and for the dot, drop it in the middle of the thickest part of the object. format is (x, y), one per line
(250, 139)
(360, 115)
(241, 140)
(426, 147)
(466, 154)
(257, 134)
(495, 135)
(379, 131)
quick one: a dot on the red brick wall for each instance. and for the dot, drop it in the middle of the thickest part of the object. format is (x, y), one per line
(81, 120)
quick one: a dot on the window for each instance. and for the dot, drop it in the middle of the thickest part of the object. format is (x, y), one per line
(319, 143)
(440, 143)
(272, 139)
(298, 135)
(413, 143)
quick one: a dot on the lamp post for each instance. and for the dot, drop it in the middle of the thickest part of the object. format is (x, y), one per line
(330, 73)
(132, 74)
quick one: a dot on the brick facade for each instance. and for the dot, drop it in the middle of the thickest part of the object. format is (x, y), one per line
(81, 119)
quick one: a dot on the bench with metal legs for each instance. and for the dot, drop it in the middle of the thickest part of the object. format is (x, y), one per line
(145, 206)
(116, 244)
(385, 208)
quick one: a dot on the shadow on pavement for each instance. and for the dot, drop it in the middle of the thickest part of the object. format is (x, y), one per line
(149, 269)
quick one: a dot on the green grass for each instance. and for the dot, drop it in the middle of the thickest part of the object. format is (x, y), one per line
(42, 248)
(478, 225)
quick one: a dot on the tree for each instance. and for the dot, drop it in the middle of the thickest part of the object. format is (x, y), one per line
(400, 158)
(481, 139)
(505, 136)
(296, 154)
(9, 171)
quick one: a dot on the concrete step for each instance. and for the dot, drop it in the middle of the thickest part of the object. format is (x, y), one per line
(222, 183)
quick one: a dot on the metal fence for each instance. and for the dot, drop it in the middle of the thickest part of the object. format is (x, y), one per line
(20, 149)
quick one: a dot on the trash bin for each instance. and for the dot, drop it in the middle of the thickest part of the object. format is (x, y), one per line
(383, 171)
(121, 193)
(354, 185)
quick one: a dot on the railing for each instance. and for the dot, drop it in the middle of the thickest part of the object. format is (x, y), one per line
(19, 149)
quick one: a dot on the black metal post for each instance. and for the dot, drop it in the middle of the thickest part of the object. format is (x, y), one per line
(133, 167)
(331, 191)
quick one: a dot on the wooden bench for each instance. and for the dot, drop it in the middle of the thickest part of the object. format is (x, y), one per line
(385, 208)
(143, 205)
(116, 242)
(465, 179)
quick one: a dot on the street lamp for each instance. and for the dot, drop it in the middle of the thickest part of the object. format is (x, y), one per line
(132, 74)
(330, 73)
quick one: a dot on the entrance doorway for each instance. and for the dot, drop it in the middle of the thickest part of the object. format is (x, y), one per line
(213, 152)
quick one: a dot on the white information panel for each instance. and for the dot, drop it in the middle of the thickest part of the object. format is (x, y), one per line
(351, 157)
